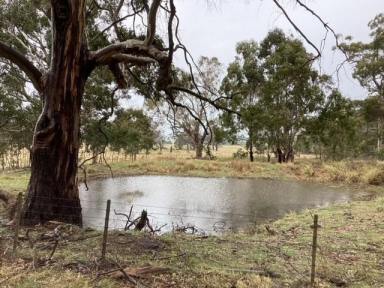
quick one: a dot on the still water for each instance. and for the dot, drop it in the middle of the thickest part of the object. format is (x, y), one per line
(209, 204)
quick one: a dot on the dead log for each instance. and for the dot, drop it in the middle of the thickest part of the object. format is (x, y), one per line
(142, 221)
(141, 272)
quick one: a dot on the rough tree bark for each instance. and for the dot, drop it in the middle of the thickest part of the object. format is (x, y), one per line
(52, 190)
(251, 158)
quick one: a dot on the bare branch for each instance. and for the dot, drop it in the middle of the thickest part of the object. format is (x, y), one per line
(326, 26)
(201, 97)
(23, 63)
(117, 21)
(151, 27)
(298, 30)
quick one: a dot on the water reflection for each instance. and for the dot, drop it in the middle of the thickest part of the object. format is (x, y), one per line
(206, 203)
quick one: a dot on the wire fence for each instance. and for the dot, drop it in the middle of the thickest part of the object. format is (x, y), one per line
(306, 261)
(198, 220)
(16, 158)
(20, 158)
(129, 217)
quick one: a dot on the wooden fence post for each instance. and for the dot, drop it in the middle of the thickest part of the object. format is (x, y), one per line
(17, 223)
(314, 249)
(105, 236)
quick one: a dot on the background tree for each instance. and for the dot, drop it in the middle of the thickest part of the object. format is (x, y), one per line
(370, 113)
(131, 131)
(242, 84)
(219, 135)
(101, 99)
(193, 117)
(368, 58)
(292, 90)
(275, 88)
(336, 130)
(19, 112)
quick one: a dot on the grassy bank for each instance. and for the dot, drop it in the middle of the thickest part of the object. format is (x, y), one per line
(351, 253)
(182, 163)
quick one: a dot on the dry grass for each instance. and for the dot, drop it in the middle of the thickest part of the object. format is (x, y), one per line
(351, 241)
(348, 172)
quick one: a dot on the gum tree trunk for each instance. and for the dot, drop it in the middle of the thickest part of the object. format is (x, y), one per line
(52, 190)
(199, 151)
(251, 158)
(199, 142)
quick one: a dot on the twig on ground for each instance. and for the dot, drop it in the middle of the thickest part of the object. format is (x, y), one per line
(127, 224)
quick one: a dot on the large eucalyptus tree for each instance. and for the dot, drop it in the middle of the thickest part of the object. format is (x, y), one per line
(52, 190)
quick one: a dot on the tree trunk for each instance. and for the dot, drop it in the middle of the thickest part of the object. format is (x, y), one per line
(378, 136)
(161, 147)
(290, 156)
(199, 151)
(280, 156)
(199, 143)
(52, 191)
(251, 158)
(95, 157)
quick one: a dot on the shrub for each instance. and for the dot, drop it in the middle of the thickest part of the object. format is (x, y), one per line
(376, 177)
(240, 154)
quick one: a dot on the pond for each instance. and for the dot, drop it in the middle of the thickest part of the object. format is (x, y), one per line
(209, 204)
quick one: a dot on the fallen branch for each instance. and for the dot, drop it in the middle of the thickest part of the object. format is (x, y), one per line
(139, 272)
(184, 229)
(128, 217)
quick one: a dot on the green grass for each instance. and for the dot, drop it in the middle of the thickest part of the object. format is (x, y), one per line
(14, 181)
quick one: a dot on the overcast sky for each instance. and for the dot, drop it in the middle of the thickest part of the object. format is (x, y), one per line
(213, 27)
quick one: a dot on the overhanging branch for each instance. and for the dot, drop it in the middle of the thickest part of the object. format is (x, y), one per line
(133, 47)
(201, 97)
(23, 63)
